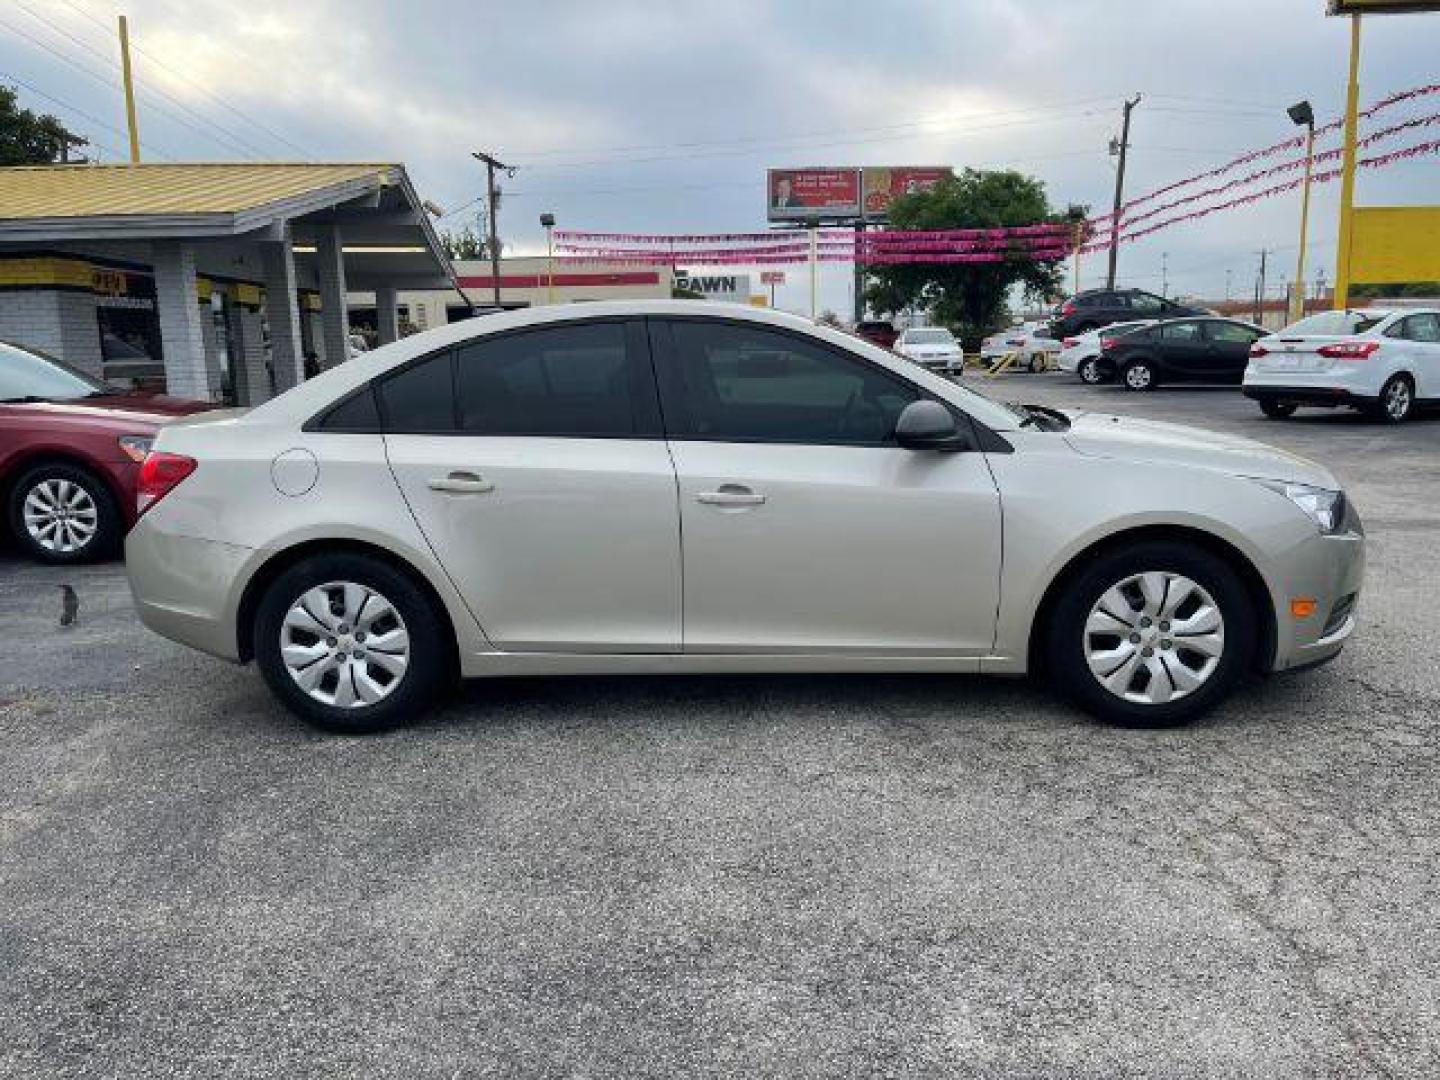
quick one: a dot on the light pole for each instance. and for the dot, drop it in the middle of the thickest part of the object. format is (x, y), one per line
(1303, 115)
(548, 220)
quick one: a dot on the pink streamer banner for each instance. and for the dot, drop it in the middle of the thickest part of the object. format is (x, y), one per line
(686, 238)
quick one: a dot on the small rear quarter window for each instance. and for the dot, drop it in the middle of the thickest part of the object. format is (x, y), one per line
(354, 413)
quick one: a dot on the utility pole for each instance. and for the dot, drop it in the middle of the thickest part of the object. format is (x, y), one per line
(491, 164)
(129, 82)
(1165, 275)
(1260, 290)
(1119, 150)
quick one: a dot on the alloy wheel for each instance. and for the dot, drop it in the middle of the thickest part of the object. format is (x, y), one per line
(1397, 399)
(1154, 638)
(61, 516)
(1089, 372)
(345, 645)
(1139, 376)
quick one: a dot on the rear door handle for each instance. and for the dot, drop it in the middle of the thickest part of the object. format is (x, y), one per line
(730, 495)
(461, 483)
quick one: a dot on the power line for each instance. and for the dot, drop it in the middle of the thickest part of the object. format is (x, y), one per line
(185, 78)
(230, 143)
(81, 113)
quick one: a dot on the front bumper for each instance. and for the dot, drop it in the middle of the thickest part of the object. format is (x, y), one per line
(1329, 570)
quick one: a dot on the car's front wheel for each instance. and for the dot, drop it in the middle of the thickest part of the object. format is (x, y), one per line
(1152, 634)
(350, 643)
(65, 514)
(1089, 371)
(1139, 375)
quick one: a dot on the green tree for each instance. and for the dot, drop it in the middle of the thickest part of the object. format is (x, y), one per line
(28, 138)
(465, 244)
(970, 296)
(1421, 289)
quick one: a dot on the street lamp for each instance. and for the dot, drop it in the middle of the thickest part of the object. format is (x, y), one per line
(1304, 116)
(548, 220)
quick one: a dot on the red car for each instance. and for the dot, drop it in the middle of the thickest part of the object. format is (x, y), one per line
(70, 454)
(880, 332)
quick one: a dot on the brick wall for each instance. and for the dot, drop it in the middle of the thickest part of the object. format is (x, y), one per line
(57, 321)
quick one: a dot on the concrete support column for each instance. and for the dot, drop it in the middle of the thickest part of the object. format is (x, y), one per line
(334, 320)
(254, 382)
(181, 335)
(387, 315)
(282, 311)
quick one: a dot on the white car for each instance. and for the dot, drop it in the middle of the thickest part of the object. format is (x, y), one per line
(686, 487)
(932, 347)
(1079, 354)
(1385, 363)
(1025, 341)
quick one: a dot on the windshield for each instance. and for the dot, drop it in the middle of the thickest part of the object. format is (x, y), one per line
(929, 337)
(1335, 322)
(25, 373)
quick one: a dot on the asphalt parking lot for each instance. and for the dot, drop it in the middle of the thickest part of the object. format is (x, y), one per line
(733, 876)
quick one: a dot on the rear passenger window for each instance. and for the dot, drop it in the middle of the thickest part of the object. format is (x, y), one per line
(355, 413)
(573, 380)
(420, 398)
(1180, 332)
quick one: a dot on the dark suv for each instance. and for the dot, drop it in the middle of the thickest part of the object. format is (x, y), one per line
(1095, 308)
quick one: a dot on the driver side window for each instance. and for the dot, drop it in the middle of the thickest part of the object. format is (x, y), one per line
(727, 382)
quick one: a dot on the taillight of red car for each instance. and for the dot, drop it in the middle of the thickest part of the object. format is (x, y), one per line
(1348, 350)
(160, 473)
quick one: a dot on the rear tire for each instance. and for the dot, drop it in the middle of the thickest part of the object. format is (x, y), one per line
(1174, 674)
(1140, 375)
(1397, 400)
(1277, 410)
(1037, 363)
(370, 656)
(1089, 372)
(64, 514)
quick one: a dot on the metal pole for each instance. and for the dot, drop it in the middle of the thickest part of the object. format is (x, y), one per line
(859, 273)
(814, 271)
(129, 82)
(1297, 300)
(550, 263)
(1119, 192)
(1347, 172)
(491, 164)
(1260, 291)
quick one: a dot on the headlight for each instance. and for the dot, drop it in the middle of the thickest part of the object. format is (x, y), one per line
(135, 447)
(1324, 507)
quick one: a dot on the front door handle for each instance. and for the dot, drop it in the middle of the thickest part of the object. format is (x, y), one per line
(730, 495)
(461, 483)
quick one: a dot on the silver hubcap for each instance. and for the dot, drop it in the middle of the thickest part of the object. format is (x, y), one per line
(345, 645)
(1138, 376)
(1154, 637)
(1397, 399)
(60, 516)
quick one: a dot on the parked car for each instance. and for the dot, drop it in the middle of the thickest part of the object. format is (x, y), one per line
(1095, 308)
(1179, 350)
(70, 454)
(663, 486)
(880, 332)
(932, 347)
(1027, 341)
(1081, 354)
(1386, 363)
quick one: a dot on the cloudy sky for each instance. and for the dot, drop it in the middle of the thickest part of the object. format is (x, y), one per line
(660, 115)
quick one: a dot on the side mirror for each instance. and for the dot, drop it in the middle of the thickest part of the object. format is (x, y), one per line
(928, 425)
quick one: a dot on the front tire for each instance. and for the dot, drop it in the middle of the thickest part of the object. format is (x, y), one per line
(65, 514)
(1277, 410)
(1152, 634)
(1140, 375)
(350, 644)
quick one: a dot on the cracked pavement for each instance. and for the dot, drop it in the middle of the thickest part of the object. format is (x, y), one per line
(797, 876)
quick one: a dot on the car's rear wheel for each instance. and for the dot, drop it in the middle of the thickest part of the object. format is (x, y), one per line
(1037, 363)
(1139, 375)
(1089, 371)
(1276, 409)
(1152, 634)
(65, 514)
(350, 643)
(1397, 400)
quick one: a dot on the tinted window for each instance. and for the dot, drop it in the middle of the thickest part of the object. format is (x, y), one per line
(421, 397)
(357, 413)
(1180, 333)
(1421, 328)
(561, 380)
(1145, 304)
(1232, 332)
(1332, 322)
(752, 384)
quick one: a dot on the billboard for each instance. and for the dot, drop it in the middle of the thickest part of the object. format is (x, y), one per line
(882, 184)
(733, 288)
(802, 194)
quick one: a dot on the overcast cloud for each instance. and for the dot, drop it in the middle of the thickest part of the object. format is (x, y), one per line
(662, 116)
